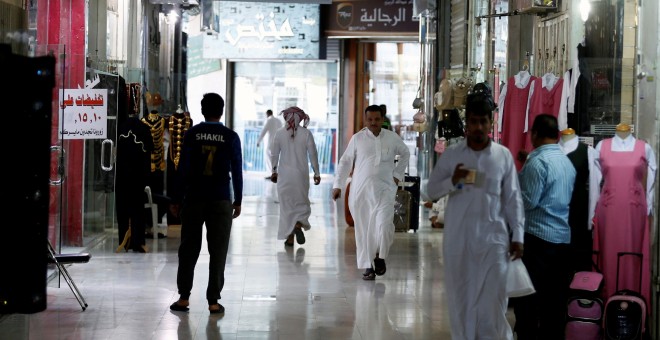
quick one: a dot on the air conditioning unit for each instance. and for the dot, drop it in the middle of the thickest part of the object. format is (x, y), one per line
(536, 6)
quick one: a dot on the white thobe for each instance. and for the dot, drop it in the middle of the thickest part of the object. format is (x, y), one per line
(291, 158)
(270, 127)
(628, 145)
(568, 146)
(373, 189)
(478, 220)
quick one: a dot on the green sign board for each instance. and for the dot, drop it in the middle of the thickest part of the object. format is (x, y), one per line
(197, 64)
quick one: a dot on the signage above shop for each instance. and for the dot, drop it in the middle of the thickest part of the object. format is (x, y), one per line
(263, 31)
(356, 18)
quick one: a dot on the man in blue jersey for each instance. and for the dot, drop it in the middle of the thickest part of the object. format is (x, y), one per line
(546, 183)
(210, 160)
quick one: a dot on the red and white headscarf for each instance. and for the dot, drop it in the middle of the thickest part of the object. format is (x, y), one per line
(293, 116)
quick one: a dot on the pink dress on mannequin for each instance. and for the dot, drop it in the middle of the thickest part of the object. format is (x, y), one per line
(621, 222)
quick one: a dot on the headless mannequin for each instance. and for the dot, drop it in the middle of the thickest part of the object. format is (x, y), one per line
(629, 168)
(156, 124)
(581, 206)
(568, 134)
(176, 126)
(623, 130)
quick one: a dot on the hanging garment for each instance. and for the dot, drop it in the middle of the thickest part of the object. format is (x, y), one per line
(134, 146)
(621, 223)
(513, 107)
(545, 97)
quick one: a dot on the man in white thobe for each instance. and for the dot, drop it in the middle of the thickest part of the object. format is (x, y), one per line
(484, 207)
(373, 188)
(271, 126)
(292, 149)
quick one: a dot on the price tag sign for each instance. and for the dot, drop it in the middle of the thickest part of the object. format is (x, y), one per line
(83, 113)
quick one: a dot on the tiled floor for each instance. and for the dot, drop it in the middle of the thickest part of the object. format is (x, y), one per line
(313, 291)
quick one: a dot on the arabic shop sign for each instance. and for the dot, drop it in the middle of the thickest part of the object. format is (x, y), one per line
(84, 113)
(263, 31)
(372, 18)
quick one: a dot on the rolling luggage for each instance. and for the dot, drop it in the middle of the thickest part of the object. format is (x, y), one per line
(402, 210)
(625, 311)
(412, 184)
(584, 313)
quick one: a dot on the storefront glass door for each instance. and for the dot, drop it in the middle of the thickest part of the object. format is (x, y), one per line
(82, 162)
(259, 86)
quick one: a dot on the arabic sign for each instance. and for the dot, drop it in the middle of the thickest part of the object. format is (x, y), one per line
(84, 113)
(263, 30)
(372, 18)
(197, 64)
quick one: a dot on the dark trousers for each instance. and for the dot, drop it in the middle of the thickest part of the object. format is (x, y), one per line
(218, 218)
(542, 315)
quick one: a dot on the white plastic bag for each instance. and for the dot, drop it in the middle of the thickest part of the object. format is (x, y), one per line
(518, 282)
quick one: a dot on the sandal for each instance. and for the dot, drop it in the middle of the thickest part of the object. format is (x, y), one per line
(369, 275)
(289, 241)
(219, 310)
(379, 266)
(300, 236)
(178, 307)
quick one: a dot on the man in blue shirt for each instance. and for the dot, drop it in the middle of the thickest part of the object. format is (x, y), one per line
(210, 160)
(546, 182)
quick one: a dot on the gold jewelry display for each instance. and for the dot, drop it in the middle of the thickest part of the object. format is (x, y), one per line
(134, 95)
(177, 128)
(156, 125)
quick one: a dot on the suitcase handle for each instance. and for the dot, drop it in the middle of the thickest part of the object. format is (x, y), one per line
(619, 255)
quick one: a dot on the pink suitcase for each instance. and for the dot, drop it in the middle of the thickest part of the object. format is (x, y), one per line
(584, 315)
(584, 319)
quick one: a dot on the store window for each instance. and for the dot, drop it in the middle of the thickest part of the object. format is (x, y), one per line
(311, 86)
(395, 77)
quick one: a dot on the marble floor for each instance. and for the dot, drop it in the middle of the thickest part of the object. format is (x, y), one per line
(310, 291)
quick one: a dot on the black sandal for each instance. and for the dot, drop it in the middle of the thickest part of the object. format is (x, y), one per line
(369, 275)
(288, 243)
(300, 236)
(379, 266)
(178, 308)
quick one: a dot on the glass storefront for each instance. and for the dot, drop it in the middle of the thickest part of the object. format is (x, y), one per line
(260, 86)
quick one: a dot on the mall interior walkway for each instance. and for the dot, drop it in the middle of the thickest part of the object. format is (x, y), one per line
(313, 291)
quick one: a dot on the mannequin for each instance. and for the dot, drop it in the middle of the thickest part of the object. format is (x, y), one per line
(621, 221)
(156, 125)
(622, 130)
(583, 199)
(176, 126)
(134, 146)
(568, 134)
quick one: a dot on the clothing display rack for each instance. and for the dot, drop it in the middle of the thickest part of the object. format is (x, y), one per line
(60, 260)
